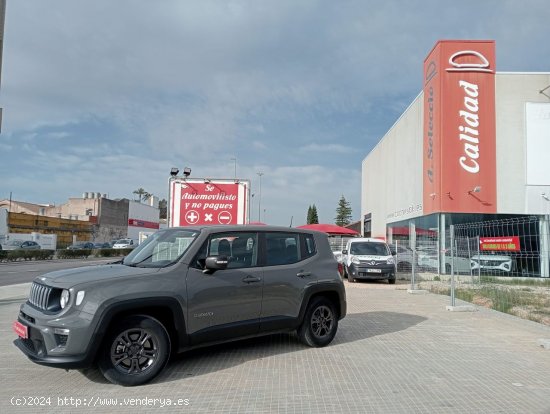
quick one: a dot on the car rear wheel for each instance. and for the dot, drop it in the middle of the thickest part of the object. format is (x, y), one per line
(320, 323)
(135, 351)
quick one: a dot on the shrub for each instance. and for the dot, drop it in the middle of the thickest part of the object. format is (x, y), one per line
(73, 254)
(15, 255)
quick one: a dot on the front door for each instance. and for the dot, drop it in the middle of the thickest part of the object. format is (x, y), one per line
(226, 303)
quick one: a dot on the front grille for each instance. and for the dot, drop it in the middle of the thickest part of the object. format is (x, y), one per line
(373, 262)
(44, 297)
(491, 263)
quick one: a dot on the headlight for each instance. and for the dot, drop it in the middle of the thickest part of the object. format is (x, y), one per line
(64, 300)
(390, 260)
(355, 260)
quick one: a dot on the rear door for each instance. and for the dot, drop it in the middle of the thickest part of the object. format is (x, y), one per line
(288, 270)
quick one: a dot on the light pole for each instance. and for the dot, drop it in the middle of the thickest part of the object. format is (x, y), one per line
(260, 197)
(234, 159)
(173, 175)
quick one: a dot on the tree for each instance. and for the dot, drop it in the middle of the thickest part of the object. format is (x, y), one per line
(163, 205)
(142, 194)
(312, 217)
(343, 212)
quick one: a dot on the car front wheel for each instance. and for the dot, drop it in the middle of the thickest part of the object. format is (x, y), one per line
(135, 351)
(320, 323)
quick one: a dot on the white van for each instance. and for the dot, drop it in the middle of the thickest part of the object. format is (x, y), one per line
(367, 258)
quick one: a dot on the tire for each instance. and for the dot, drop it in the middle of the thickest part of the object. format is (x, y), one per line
(351, 279)
(135, 351)
(391, 280)
(344, 270)
(320, 323)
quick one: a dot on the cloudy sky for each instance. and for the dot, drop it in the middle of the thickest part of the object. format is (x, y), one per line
(107, 96)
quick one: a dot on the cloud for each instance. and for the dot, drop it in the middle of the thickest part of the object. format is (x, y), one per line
(113, 94)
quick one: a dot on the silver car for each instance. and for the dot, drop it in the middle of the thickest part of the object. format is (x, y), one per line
(20, 245)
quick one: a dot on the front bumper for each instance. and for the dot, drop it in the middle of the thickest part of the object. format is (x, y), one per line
(56, 341)
(379, 271)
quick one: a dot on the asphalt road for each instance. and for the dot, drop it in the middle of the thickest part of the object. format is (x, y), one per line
(12, 273)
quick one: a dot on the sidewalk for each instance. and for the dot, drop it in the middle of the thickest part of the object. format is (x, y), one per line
(20, 291)
(394, 353)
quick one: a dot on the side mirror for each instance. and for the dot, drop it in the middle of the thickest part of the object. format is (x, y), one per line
(344, 251)
(214, 263)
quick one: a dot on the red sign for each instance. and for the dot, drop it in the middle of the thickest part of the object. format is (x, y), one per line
(208, 202)
(459, 167)
(142, 223)
(510, 243)
(20, 329)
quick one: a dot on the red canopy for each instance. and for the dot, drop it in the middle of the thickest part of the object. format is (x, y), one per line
(329, 229)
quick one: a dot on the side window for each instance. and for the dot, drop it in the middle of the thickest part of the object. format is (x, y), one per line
(240, 248)
(282, 248)
(309, 244)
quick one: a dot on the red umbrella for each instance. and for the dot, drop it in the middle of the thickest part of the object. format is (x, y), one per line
(329, 229)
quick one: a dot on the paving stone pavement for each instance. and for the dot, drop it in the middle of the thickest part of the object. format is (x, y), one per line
(394, 353)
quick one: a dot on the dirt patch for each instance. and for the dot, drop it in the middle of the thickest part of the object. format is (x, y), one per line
(483, 301)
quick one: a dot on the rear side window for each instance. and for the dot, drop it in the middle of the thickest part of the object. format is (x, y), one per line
(282, 248)
(309, 245)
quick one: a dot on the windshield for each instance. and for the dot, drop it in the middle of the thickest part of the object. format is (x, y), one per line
(161, 249)
(369, 249)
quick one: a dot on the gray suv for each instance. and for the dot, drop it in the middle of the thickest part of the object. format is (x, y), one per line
(183, 288)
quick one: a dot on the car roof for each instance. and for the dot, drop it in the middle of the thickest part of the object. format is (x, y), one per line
(366, 239)
(245, 227)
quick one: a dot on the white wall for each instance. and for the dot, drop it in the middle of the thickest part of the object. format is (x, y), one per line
(513, 92)
(391, 187)
(139, 211)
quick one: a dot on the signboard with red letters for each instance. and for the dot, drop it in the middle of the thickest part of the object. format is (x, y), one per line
(200, 201)
(508, 243)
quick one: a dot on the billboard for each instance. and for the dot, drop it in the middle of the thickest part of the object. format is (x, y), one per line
(459, 144)
(198, 201)
(509, 243)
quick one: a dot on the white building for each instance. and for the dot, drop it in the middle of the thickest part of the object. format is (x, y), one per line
(474, 145)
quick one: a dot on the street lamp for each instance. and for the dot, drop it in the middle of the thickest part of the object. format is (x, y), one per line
(260, 197)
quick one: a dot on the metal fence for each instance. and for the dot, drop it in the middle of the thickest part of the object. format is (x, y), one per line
(500, 264)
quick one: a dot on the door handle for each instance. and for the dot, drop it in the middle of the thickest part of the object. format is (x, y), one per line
(303, 274)
(251, 279)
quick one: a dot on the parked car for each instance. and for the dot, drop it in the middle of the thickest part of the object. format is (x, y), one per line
(124, 244)
(368, 258)
(403, 258)
(81, 245)
(430, 262)
(492, 262)
(20, 245)
(239, 281)
(104, 245)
